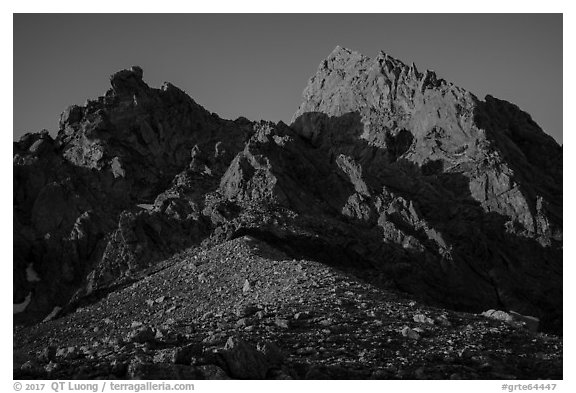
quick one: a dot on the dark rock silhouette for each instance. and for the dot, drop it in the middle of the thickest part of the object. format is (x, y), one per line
(79, 221)
(394, 174)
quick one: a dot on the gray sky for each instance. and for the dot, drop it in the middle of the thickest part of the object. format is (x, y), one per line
(257, 65)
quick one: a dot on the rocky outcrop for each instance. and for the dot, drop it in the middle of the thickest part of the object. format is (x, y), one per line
(474, 186)
(420, 185)
(393, 173)
(81, 200)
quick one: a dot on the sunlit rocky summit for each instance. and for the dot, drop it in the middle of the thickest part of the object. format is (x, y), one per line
(153, 239)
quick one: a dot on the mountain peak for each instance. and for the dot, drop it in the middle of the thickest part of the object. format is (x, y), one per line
(346, 80)
(128, 80)
(389, 174)
(340, 51)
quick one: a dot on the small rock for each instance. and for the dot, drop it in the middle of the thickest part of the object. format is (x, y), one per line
(139, 369)
(52, 367)
(247, 287)
(242, 322)
(214, 339)
(326, 322)
(160, 334)
(301, 315)
(443, 321)
(247, 310)
(306, 351)
(118, 367)
(141, 335)
(112, 341)
(411, 334)
(380, 374)
(212, 372)
(244, 361)
(29, 366)
(273, 354)
(67, 353)
(207, 315)
(466, 353)
(282, 323)
(421, 318)
(498, 315)
(183, 355)
(163, 356)
(47, 354)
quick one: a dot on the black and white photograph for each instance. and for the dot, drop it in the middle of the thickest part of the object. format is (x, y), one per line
(287, 196)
